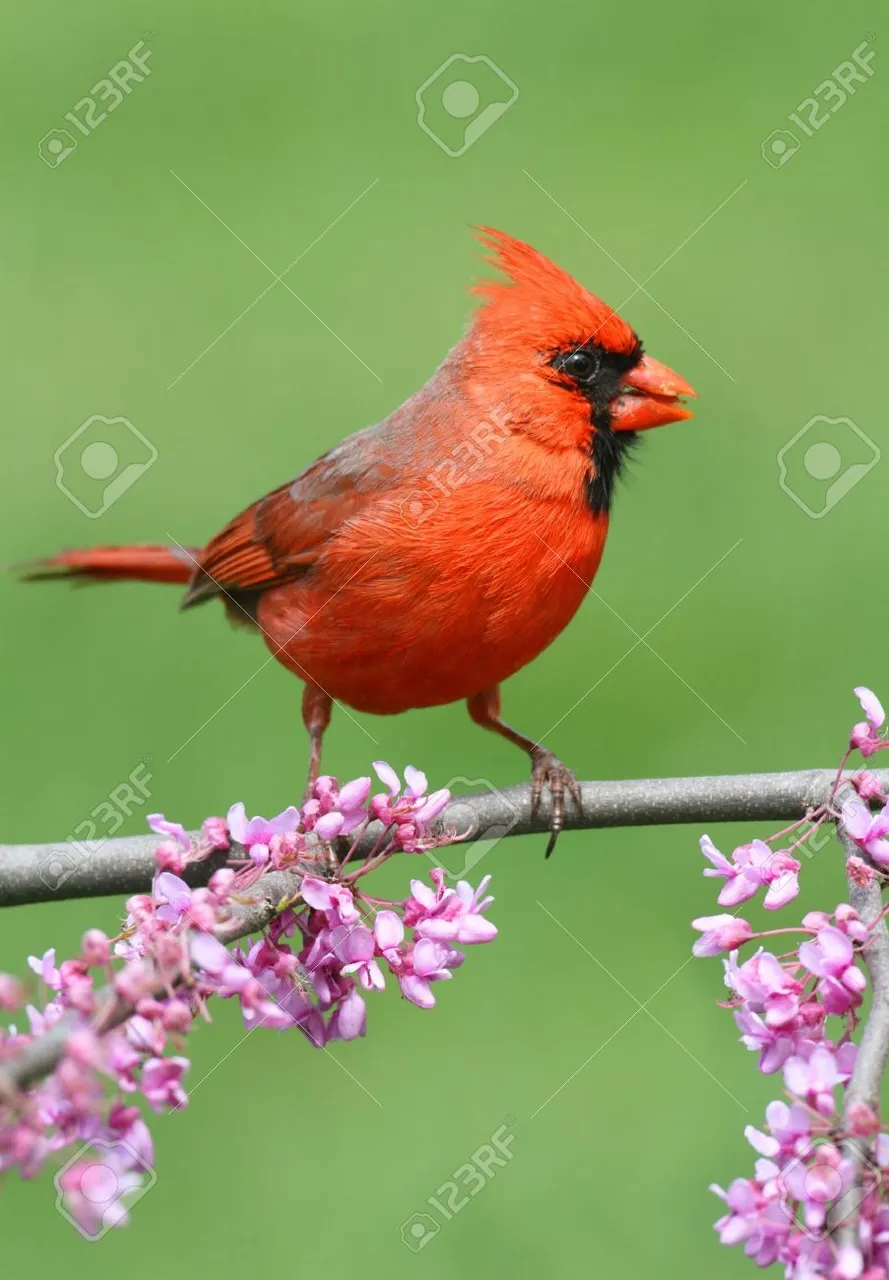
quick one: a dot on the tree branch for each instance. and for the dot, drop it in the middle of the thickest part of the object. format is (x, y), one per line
(55, 872)
(43, 1054)
(873, 1049)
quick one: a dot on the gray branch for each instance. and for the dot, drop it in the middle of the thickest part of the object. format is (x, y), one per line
(873, 1050)
(45, 872)
(54, 872)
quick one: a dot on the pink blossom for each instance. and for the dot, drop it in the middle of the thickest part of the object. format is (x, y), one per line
(868, 786)
(424, 963)
(45, 968)
(413, 812)
(11, 992)
(95, 947)
(781, 1214)
(215, 832)
(814, 1080)
(739, 886)
(773, 1045)
(174, 895)
(333, 898)
(159, 823)
(162, 1082)
(850, 923)
(349, 1020)
(310, 969)
(720, 933)
(831, 958)
(343, 808)
(865, 735)
(260, 830)
(753, 865)
(817, 1181)
(94, 1192)
(452, 915)
(388, 931)
(868, 831)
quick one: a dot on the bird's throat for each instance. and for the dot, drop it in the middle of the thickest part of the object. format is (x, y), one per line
(609, 451)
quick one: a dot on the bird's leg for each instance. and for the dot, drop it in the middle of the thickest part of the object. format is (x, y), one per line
(546, 769)
(316, 718)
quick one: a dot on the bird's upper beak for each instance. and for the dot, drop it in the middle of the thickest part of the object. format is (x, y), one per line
(649, 397)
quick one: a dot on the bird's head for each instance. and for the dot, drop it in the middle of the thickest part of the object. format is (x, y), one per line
(577, 367)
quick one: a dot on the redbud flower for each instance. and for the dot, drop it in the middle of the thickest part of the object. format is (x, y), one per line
(94, 1192)
(215, 832)
(259, 830)
(309, 970)
(161, 1082)
(720, 933)
(174, 895)
(753, 865)
(814, 1080)
(865, 736)
(95, 947)
(45, 967)
(11, 992)
(159, 823)
(862, 1119)
(868, 786)
(866, 830)
(832, 959)
(335, 899)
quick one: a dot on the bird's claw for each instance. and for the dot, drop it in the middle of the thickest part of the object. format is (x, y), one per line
(548, 770)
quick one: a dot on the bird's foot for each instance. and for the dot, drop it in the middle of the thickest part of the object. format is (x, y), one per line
(548, 770)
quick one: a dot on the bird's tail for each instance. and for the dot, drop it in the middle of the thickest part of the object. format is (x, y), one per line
(107, 564)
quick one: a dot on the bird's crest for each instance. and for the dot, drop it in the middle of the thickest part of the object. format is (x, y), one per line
(541, 302)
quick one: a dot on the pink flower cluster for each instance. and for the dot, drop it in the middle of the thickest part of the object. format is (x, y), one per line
(344, 942)
(129, 1002)
(751, 867)
(781, 1213)
(781, 1004)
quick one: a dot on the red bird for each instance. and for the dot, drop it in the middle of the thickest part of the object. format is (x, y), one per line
(428, 558)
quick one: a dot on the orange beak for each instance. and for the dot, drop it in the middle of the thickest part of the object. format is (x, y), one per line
(650, 398)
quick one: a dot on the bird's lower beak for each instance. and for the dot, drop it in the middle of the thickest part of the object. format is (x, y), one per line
(650, 397)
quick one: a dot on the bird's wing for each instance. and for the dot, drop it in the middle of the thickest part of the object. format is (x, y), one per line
(278, 538)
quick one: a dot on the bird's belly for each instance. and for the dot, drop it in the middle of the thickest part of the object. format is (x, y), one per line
(437, 621)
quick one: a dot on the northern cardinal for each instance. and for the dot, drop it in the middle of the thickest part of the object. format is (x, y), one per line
(431, 556)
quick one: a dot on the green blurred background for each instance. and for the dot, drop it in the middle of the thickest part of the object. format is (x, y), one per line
(642, 122)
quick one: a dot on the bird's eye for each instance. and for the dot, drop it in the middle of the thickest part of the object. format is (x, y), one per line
(581, 365)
